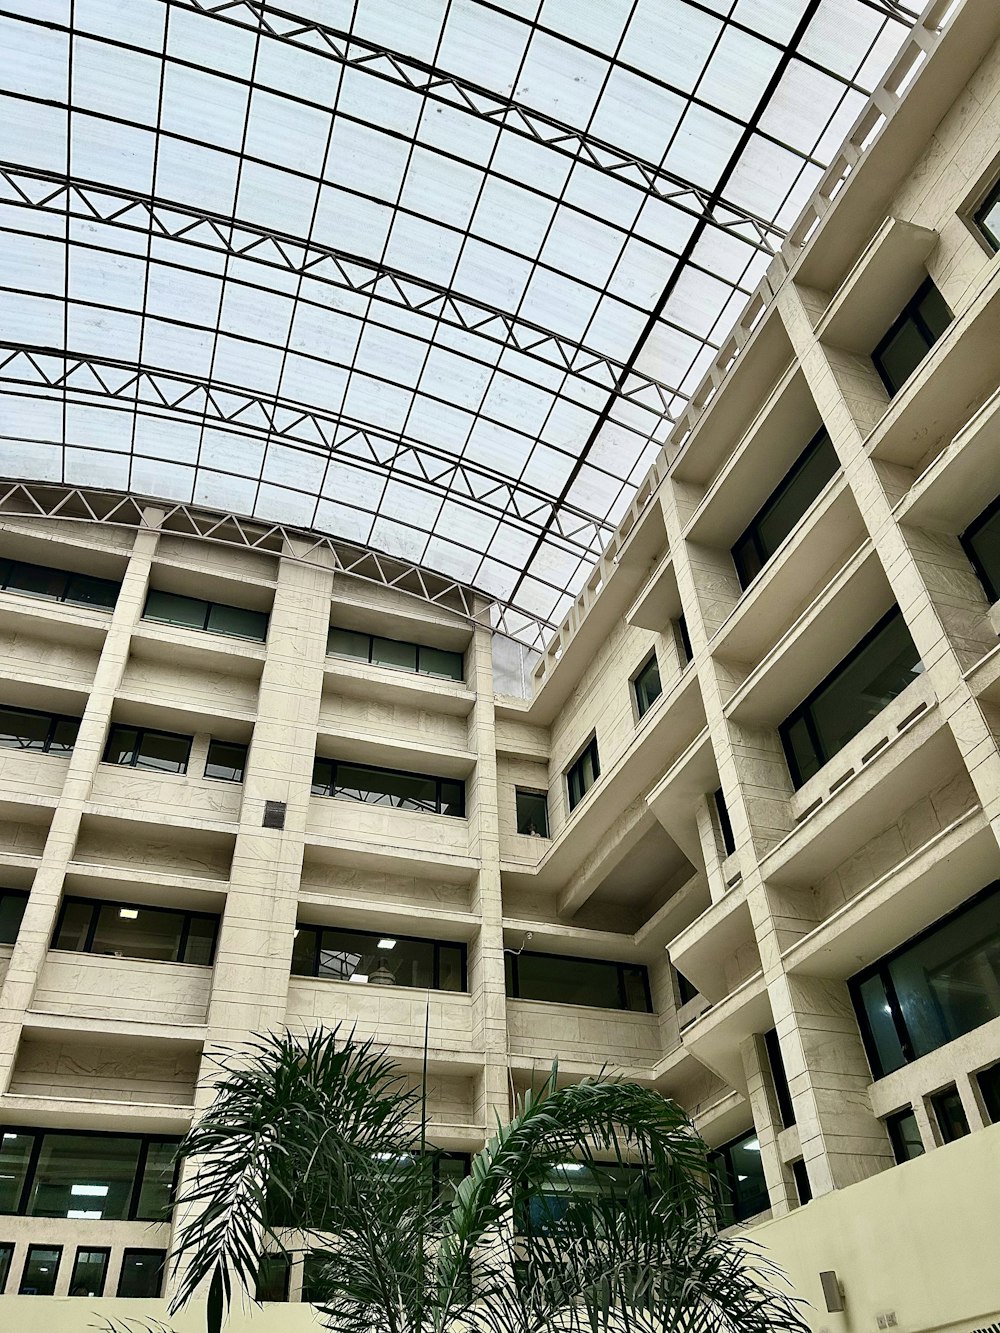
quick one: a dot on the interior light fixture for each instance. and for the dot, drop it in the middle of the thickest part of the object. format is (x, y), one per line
(92, 1191)
(753, 1145)
(129, 913)
(739, 1177)
(83, 1215)
(387, 944)
(570, 1166)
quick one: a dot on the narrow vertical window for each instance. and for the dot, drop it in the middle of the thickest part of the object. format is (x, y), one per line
(646, 685)
(532, 813)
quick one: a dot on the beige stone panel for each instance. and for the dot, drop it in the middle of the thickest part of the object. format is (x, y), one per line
(97, 986)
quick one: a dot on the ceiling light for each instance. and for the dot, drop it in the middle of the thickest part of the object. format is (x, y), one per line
(360, 977)
(92, 1191)
(570, 1166)
(129, 913)
(741, 1177)
(83, 1215)
(753, 1145)
(387, 944)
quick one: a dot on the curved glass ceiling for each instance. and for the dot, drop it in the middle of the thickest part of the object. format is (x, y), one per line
(432, 276)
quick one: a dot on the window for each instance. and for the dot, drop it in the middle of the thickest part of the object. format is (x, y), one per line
(226, 761)
(314, 1266)
(570, 1187)
(90, 1272)
(27, 729)
(738, 1178)
(989, 1087)
(784, 507)
(388, 786)
(981, 542)
(725, 826)
(685, 991)
(781, 1089)
(904, 1135)
(950, 1114)
(237, 622)
(647, 685)
(142, 1274)
(562, 980)
(109, 1177)
(58, 585)
(687, 652)
(395, 653)
(126, 930)
(943, 983)
(6, 1258)
(380, 959)
(140, 747)
(583, 773)
(532, 813)
(273, 1277)
(12, 905)
(987, 217)
(911, 336)
(801, 1177)
(856, 690)
(40, 1270)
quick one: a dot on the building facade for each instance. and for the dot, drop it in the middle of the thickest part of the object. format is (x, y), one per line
(741, 843)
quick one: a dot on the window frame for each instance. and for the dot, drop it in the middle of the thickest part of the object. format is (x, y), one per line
(91, 1249)
(965, 538)
(396, 772)
(726, 1208)
(209, 607)
(131, 1251)
(286, 1260)
(937, 1101)
(382, 934)
(212, 777)
(140, 734)
(145, 1142)
(96, 904)
(59, 1250)
(418, 670)
(54, 720)
(6, 1252)
(544, 797)
(513, 981)
(893, 1123)
(590, 748)
(989, 1091)
(908, 315)
(640, 709)
(9, 563)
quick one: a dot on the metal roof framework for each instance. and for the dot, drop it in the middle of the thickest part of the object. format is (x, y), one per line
(430, 279)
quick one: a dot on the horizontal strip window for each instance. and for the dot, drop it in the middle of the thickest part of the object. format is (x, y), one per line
(87, 1177)
(981, 543)
(647, 686)
(583, 773)
(738, 1180)
(573, 1188)
(378, 959)
(396, 653)
(58, 585)
(142, 747)
(940, 985)
(560, 979)
(388, 786)
(129, 930)
(911, 336)
(532, 812)
(28, 729)
(987, 217)
(12, 905)
(783, 508)
(238, 622)
(226, 761)
(872, 674)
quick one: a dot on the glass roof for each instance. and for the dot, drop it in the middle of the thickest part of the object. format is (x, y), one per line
(432, 276)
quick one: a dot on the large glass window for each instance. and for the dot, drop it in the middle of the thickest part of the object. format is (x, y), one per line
(388, 786)
(784, 507)
(90, 1271)
(563, 980)
(738, 1177)
(939, 986)
(141, 747)
(395, 653)
(572, 1186)
(981, 540)
(41, 1268)
(987, 217)
(58, 585)
(87, 1177)
(12, 905)
(532, 813)
(379, 959)
(646, 686)
(856, 690)
(127, 930)
(27, 729)
(911, 336)
(238, 622)
(583, 773)
(904, 1135)
(226, 761)
(142, 1274)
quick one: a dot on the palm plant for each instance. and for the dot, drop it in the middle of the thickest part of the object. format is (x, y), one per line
(317, 1143)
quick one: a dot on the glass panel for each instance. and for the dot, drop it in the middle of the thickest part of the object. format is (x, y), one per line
(934, 312)
(686, 992)
(888, 1053)
(577, 981)
(347, 643)
(200, 946)
(439, 662)
(38, 581)
(950, 1114)
(237, 622)
(725, 826)
(408, 791)
(86, 591)
(983, 544)
(142, 1274)
(226, 761)
(138, 932)
(173, 609)
(387, 652)
(12, 905)
(803, 1188)
(532, 813)
(313, 1285)
(749, 1189)
(989, 1086)
(634, 979)
(121, 745)
(450, 959)
(682, 629)
(901, 355)
(401, 962)
(453, 799)
(988, 218)
(748, 563)
(15, 1155)
(74, 925)
(156, 1189)
(904, 1135)
(781, 1088)
(304, 952)
(90, 1269)
(163, 753)
(647, 686)
(451, 1171)
(272, 1277)
(64, 735)
(6, 1256)
(40, 1269)
(23, 731)
(84, 1176)
(796, 494)
(322, 779)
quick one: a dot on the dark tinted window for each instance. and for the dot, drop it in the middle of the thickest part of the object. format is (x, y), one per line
(987, 217)
(685, 637)
(388, 786)
(272, 1277)
(314, 1286)
(911, 336)
(6, 1257)
(90, 1271)
(380, 959)
(170, 608)
(781, 1089)
(904, 1135)
(142, 1274)
(981, 540)
(685, 991)
(532, 813)
(41, 1267)
(725, 825)
(941, 985)
(989, 1087)
(950, 1114)
(591, 981)
(226, 761)
(800, 1175)
(58, 585)
(738, 1175)
(858, 688)
(15, 1160)
(128, 930)
(140, 747)
(582, 774)
(396, 653)
(12, 905)
(647, 686)
(26, 729)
